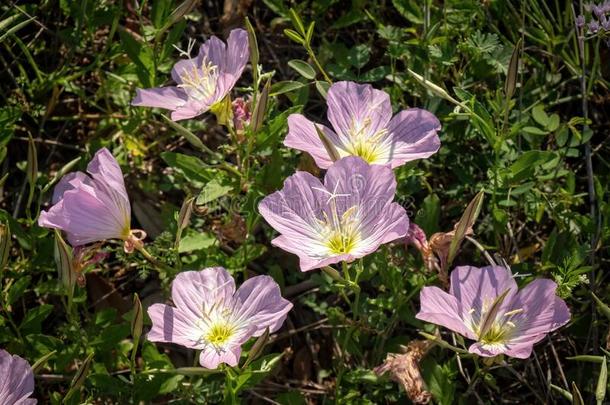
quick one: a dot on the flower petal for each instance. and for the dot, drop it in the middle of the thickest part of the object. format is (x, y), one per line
(302, 135)
(260, 301)
(373, 185)
(309, 259)
(69, 182)
(192, 291)
(190, 109)
(473, 286)
(84, 216)
(16, 380)
(413, 135)
(542, 311)
(238, 52)
(443, 309)
(388, 225)
(107, 174)
(351, 104)
(213, 51)
(211, 358)
(292, 210)
(168, 97)
(170, 325)
(184, 67)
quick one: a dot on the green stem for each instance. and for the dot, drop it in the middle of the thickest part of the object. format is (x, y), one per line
(312, 55)
(159, 265)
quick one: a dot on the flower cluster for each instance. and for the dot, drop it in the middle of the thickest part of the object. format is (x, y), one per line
(344, 217)
(599, 19)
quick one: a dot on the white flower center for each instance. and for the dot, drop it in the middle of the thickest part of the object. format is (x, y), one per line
(200, 82)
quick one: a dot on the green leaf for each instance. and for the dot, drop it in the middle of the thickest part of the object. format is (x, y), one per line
(294, 36)
(212, 191)
(17, 289)
(429, 216)
(540, 116)
(196, 241)
(528, 162)
(303, 68)
(603, 308)
(32, 322)
(192, 167)
(602, 383)
(409, 9)
(285, 87)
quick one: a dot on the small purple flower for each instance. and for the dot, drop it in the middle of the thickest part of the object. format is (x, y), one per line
(361, 118)
(16, 380)
(91, 208)
(593, 26)
(202, 81)
(597, 10)
(484, 304)
(347, 217)
(580, 21)
(209, 315)
(605, 23)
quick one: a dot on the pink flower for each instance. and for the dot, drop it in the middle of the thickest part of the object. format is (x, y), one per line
(361, 118)
(16, 380)
(347, 217)
(484, 304)
(202, 81)
(91, 208)
(209, 315)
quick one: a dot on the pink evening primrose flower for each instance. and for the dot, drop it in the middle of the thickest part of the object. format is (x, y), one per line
(484, 304)
(16, 380)
(209, 315)
(362, 125)
(203, 81)
(91, 208)
(347, 217)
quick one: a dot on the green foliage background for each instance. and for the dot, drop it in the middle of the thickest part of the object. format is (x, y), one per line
(69, 70)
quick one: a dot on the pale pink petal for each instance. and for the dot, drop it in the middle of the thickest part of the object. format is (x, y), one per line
(384, 228)
(293, 210)
(84, 217)
(69, 182)
(542, 311)
(190, 109)
(303, 136)
(473, 286)
(211, 359)
(215, 51)
(16, 380)
(238, 52)
(184, 67)
(353, 105)
(523, 350)
(171, 325)
(108, 176)
(307, 259)
(168, 97)
(412, 135)
(487, 350)
(259, 300)
(358, 183)
(442, 309)
(196, 291)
